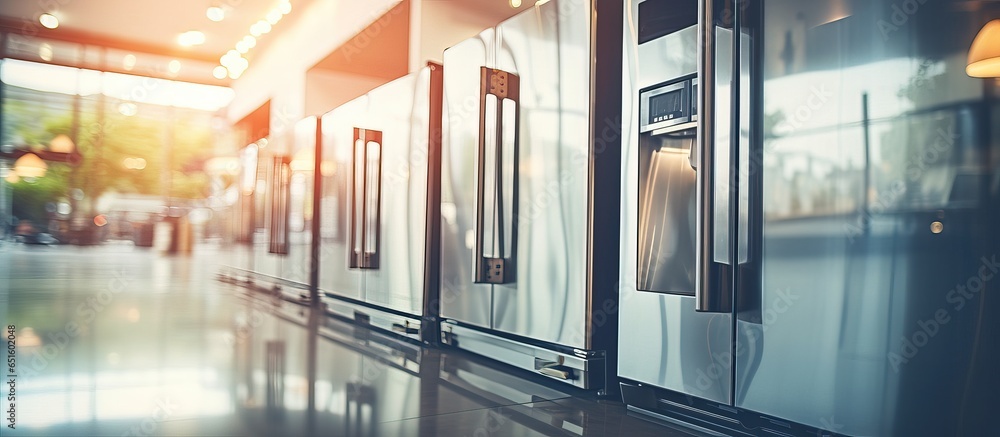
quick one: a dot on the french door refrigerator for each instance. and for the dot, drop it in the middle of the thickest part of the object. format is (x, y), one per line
(530, 170)
(810, 196)
(380, 185)
(276, 213)
(282, 259)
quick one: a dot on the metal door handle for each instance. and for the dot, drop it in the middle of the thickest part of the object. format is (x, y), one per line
(366, 189)
(496, 268)
(280, 193)
(710, 291)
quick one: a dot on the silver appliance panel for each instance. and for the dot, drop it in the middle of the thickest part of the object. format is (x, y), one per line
(400, 110)
(462, 298)
(338, 141)
(663, 341)
(877, 225)
(548, 47)
(294, 266)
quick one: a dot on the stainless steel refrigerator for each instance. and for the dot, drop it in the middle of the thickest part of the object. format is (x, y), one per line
(529, 191)
(380, 172)
(810, 196)
(276, 213)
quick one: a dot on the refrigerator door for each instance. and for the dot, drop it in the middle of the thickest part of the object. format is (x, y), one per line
(663, 340)
(880, 203)
(461, 298)
(400, 111)
(548, 48)
(335, 275)
(295, 264)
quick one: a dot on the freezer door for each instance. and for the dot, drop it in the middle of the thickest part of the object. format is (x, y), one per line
(335, 274)
(664, 341)
(548, 48)
(461, 298)
(400, 110)
(880, 200)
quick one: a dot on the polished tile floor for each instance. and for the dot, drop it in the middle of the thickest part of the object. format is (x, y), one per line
(116, 340)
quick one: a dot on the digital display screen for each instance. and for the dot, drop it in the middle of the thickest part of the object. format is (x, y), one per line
(666, 106)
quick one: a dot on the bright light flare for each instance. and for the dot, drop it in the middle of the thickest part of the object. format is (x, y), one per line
(191, 38)
(215, 13)
(48, 21)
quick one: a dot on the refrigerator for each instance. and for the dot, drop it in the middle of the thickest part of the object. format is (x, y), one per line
(810, 194)
(276, 213)
(529, 202)
(380, 184)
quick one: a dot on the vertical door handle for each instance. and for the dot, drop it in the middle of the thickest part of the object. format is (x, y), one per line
(711, 291)
(280, 193)
(499, 97)
(366, 199)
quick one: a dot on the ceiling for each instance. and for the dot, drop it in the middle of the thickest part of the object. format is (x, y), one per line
(151, 27)
(152, 23)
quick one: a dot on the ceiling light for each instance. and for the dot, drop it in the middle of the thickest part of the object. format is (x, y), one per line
(235, 74)
(191, 38)
(45, 52)
(984, 55)
(274, 17)
(242, 47)
(215, 13)
(250, 41)
(285, 7)
(174, 66)
(128, 62)
(49, 21)
(220, 72)
(515, 3)
(265, 27)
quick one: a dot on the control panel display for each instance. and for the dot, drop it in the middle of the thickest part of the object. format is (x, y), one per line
(666, 106)
(669, 104)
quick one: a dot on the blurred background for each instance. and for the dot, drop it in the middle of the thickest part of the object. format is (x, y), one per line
(123, 122)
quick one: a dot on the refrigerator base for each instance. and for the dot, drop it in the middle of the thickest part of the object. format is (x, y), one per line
(711, 418)
(580, 368)
(399, 323)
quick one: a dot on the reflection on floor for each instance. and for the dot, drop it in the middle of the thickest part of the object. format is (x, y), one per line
(117, 340)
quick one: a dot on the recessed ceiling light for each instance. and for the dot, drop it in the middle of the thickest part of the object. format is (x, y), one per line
(128, 62)
(274, 16)
(250, 41)
(215, 13)
(515, 3)
(220, 72)
(45, 52)
(285, 7)
(191, 38)
(174, 66)
(49, 21)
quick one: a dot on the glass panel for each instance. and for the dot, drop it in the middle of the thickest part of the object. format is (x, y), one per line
(877, 164)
